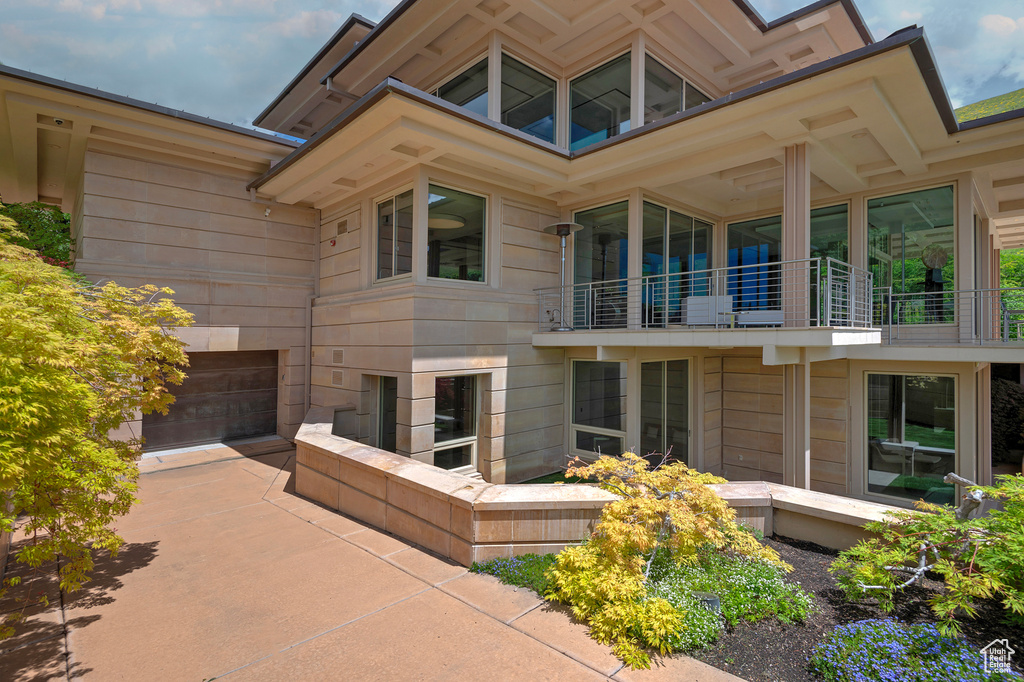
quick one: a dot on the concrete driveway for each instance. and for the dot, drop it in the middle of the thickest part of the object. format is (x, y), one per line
(227, 574)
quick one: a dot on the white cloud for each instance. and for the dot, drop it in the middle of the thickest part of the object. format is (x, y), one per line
(160, 45)
(308, 24)
(1000, 25)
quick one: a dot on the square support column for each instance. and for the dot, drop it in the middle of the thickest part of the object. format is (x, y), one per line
(796, 237)
(796, 426)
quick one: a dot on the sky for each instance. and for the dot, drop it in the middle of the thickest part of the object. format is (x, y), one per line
(228, 59)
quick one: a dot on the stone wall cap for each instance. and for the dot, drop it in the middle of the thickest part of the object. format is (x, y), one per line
(434, 481)
(542, 496)
(744, 493)
(827, 506)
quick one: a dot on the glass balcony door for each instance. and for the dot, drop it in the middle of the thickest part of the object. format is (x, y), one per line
(674, 245)
(665, 410)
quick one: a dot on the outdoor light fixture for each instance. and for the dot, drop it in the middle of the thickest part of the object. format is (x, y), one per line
(562, 230)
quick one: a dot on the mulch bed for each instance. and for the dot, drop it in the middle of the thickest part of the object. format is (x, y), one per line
(771, 651)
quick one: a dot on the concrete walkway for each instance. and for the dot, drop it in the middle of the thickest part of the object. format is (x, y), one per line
(227, 574)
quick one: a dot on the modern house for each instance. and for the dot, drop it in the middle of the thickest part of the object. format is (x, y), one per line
(781, 248)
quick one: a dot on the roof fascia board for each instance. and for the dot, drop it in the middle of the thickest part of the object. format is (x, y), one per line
(350, 23)
(851, 10)
(912, 37)
(93, 93)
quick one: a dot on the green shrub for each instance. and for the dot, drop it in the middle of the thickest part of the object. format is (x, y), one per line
(666, 513)
(44, 229)
(890, 651)
(748, 589)
(978, 558)
(527, 570)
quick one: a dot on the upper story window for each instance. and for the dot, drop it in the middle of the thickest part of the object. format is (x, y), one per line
(527, 99)
(455, 234)
(394, 236)
(599, 103)
(911, 240)
(468, 89)
(665, 93)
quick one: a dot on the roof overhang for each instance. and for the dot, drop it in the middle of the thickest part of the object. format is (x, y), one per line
(878, 115)
(47, 125)
(291, 112)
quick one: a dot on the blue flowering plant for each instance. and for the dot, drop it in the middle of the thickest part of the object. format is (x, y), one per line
(521, 571)
(890, 651)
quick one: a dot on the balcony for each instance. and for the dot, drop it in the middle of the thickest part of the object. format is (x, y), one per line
(978, 317)
(811, 302)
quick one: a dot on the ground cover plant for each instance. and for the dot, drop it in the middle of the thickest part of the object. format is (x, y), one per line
(528, 570)
(636, 581)
(885, 649)
(977, 558)
(76, 361)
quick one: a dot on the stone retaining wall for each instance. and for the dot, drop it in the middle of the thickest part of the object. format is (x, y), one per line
(469, 520)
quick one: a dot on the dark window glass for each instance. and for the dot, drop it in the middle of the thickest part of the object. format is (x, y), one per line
(601, 251)
(455, 234)
(387, 413)
(911, 436)
(468, 89)
(755, 244)
(910, 249)
(599, 395)
(829, 229)
(694, 97)
(665, 409)
(599, 102)
(527, 99)
(663, 91)
(394, 236)
(454, 408)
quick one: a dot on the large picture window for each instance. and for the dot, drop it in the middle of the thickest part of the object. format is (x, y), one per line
(910, 250)
(468, 89)
(599, 407)
(527, 99)
(394, 236)
(455, 400)
(911, 436)
(455, 234)
(599, 102)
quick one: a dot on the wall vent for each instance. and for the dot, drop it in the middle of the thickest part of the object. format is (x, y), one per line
(338, 378)
(342, 226)
(338, 356)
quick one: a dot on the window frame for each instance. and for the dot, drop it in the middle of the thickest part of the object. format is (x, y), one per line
(474, 440)
(596, 430)
(955, 255)
(466, 66)
(484, 241)
(375, 235)
(627, 51)
(648, 54)
(865, 446)
(559, 84)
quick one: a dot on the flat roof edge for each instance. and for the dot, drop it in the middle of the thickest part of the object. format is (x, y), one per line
(74, 88)
(352, 20)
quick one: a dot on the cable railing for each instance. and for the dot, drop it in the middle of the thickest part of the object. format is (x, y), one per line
(814, 292)
(976, 316)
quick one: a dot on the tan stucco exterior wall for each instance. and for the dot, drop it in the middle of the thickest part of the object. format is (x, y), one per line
(244, 274)
(417, 329)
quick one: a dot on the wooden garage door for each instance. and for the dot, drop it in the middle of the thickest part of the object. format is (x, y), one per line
(226, 395)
